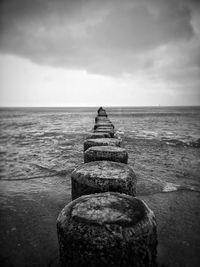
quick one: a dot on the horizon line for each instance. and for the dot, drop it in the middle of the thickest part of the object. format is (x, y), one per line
(111, 106)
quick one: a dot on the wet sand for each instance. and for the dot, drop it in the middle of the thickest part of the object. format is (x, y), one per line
(178, 220)
(28, 223)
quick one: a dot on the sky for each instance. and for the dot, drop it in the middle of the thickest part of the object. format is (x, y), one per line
(99, 52)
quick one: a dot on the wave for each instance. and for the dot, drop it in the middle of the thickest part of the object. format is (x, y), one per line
(177, 142)
(29, 178)
(171, 187)
(50, 173)
(52, 170)
(169, 138)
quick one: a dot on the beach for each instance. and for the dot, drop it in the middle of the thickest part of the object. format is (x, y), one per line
(41, 147)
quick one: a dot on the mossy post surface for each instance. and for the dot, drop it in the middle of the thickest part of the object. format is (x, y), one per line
(101, 142)
(110, 153)
(107, 230)
(103, 176)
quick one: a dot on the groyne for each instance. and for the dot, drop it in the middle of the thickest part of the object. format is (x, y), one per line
(105, 224)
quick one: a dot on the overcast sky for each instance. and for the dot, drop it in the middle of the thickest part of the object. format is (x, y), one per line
(99, 52)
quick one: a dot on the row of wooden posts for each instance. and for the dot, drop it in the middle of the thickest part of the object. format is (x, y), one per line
(105, 225)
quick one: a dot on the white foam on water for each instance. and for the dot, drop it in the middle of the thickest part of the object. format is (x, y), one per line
(170, 187)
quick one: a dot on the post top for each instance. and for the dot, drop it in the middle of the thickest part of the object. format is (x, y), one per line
(106, 149)
(101, 112)
(103, 170)
(108, 208)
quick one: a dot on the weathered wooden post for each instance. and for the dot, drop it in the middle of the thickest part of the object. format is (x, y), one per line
(103, 176)
(103, 124)
(107, 230)
(101, 119)
(98, 135)
(101, 142)
(105, 130)
(101, 112)
(110, 153)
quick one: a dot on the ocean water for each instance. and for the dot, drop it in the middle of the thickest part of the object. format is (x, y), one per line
(39, 143)
(40, 147)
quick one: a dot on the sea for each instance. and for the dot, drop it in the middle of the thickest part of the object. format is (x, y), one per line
(162, 142)
(40, 147)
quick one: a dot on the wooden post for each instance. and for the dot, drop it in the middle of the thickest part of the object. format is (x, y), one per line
(107, 230)
(103, 176)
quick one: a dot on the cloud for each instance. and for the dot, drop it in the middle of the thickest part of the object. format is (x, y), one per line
(110, 37)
